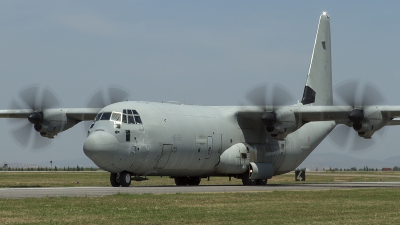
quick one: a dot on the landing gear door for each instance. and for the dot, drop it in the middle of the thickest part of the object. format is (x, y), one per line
(164, 157)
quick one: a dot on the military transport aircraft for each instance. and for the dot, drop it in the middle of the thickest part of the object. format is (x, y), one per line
(132, 139)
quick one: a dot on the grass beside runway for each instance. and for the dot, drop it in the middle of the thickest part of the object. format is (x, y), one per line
(101, 179)
(356, 206)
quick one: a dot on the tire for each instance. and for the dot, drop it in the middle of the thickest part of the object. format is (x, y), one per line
(180, 181)
(261, 182)
(246, 181)
(125, 179)
(114, 179)
(193, 181)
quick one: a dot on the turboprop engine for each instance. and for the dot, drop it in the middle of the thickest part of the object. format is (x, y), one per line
(367, 121)
(50, 122)
(279, 123)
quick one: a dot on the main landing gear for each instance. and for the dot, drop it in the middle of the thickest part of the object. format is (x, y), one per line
(247, 181)
(122, 179)
(187, 181)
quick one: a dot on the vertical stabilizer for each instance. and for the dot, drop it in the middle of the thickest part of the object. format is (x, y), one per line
(318, 89)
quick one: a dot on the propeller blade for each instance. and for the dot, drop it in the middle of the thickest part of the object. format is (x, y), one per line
(21, 133)
(26, 98)
(357, 93)
(372, 95)
(361, 144)
(35, 97)
(273, 95)
(340, 136)
(39, 142)
(347, 92)
(103, 97)
(106, 96)
(117, 94)
(257, 96)
(48, 99)
(281, 96)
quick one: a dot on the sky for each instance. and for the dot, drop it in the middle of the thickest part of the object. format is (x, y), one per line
(196, 52)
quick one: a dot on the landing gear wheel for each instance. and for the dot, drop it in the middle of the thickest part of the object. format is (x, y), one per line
(114, 179)
(125, 179)
(193, 181)
(247, 181)
(261, 182)
(180, 181)
(187, 181)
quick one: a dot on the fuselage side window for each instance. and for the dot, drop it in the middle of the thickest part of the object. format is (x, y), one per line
(105, 116)
(115, 116)
(98, 116)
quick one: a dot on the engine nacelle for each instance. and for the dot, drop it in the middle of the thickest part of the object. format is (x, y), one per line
(280, 123)
(54, 121)
(372, 120)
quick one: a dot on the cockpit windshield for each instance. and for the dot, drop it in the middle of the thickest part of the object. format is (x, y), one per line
(106, 116)
(98, 116)
(128, 116)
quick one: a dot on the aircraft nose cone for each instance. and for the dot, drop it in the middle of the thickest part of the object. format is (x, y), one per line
(101, 147)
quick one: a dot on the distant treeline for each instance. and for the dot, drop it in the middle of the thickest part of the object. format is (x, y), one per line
(55, 168)
(365, 168)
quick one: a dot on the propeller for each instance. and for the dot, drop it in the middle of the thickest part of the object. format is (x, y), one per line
(34, 98)
(269, 98)
(358, 95)
(106, 96)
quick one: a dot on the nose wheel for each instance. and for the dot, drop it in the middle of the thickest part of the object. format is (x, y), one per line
(120, 179)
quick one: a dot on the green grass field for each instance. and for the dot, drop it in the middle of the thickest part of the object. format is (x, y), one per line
(355, 206)
(362, 206)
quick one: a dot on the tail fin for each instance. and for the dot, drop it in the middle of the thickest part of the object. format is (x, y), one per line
(318, 89)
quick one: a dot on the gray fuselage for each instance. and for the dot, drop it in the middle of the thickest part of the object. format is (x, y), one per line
(188, 140)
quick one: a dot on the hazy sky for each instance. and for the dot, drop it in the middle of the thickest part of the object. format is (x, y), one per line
(197, 52)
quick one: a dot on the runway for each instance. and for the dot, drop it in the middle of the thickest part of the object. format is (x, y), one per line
(104, 191)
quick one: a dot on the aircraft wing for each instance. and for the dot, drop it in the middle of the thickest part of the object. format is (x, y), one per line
(83, 113)
(15, 113)
(79, 114)
(321, 113)
(340, 113)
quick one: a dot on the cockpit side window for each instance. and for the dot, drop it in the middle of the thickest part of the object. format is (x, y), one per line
(124, 118)
(131, 120)
(117, 117)
(131, 116)
(98, 116)
(106, 116)
(138, 120)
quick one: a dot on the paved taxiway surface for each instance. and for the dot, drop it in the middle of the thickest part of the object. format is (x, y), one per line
(103, 191)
